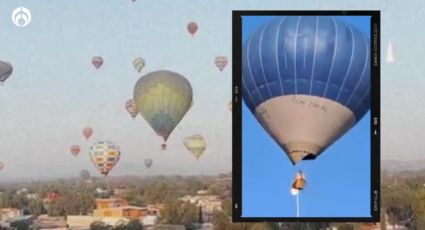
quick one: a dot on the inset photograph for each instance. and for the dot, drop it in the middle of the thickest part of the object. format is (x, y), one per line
(307, 147)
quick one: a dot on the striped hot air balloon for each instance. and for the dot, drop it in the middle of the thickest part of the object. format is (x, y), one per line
(75, 150)
(131, 108)
(97, 61)
(104, 156)
(307, 81)
(138, 64)
(221, 62)
(195, 144)
(163, 98)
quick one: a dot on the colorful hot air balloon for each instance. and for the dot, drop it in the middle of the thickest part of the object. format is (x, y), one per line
(139, 63)
(390, 55)
(75, 150)
(148, 162)
(104, 155)
(196, 145)
(6, 70)
(87, 132)
(307, 81)
(230, 105)
(221, 62)
(97, 61)
(163, 98)
(192, 27)
(131, 108)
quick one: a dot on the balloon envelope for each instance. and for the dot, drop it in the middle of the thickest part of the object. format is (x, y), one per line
(6, 70)
(307, 81)
(138, 64)
(87, 132)
(131, 108)
(196, 145)
(75, 150)
(97, 61)
(163, 98)
(192, 27)
(221, 62)
(148, 162)
(104, 156)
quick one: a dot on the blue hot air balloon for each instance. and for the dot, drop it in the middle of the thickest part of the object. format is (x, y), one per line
(307, 81)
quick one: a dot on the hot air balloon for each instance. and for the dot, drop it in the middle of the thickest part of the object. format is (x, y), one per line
(1, 166)
(163, 98)
(148, 162)
(139, 63)
(87, 132)
(229, 105)
(97, 61)
(221, 62)
(104, 156)
(307, 81)
(195, 144)
(75, 150)
(6, 70)
(131, 108)
(390, 55)
(192, 27)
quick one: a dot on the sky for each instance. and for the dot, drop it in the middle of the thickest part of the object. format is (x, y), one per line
(338, 181)
(54, 91)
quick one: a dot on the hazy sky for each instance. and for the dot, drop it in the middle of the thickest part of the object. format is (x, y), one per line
(54, 91)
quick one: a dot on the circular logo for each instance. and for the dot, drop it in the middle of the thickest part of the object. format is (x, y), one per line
(21, 16)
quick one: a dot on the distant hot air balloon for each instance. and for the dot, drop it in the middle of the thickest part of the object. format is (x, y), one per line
(1, 166)
(192, 27)
(97, 61)
(138, 64)
(229, 105)
(104, 156)
(148, 162)
(75, 150)
(390, 55)
(163, 98)
(87, 132)
(131, 108)
(196, 145)
(221, 62)
(6, 70)
(307, 81)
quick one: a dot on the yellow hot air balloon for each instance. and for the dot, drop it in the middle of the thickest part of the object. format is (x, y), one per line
(196, 145)
(139, 63)
(104, 155)
(163, 98)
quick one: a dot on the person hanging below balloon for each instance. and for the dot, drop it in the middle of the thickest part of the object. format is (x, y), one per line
(307, 81)
(196, 145)
(192, 28)
(97, 61)
(220, 62)
(104, 156)
(163, 98)
(87, 132)
(298, 185)
(6, 70)
(131, 108)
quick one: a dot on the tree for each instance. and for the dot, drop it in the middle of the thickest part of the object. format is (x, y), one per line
(98, 225)
(178, 212)
(35, 207)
